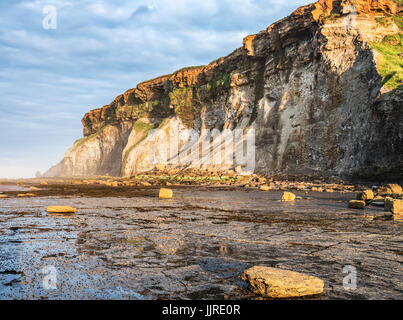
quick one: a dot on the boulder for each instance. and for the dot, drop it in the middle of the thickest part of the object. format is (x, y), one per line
(288, 196)
(390, 189)
(394, 205)
(365, 195)
(3, 196)
(61, 209)
(395, 188)
(278, 283)
(356, 204)
(165, 193)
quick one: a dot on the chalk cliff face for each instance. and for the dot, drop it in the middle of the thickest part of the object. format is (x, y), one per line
(322, 89)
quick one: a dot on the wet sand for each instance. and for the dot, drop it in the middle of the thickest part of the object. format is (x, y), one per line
(125, 243)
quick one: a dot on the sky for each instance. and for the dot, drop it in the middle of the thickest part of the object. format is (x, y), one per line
(53, 71)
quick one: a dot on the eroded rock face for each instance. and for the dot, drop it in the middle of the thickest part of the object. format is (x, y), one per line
(309, 85)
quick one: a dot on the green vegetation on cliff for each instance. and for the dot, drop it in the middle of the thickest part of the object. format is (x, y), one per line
(138, 110)
(79, 142)
(142, 126)
(220, 82)
(183, 100)
(390, 60)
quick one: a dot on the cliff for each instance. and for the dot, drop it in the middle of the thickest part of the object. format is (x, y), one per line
(322, 88)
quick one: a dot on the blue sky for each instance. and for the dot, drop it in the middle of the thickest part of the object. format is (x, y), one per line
(50, 78)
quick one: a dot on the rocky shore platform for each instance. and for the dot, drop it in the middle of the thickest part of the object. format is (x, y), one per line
(183, 235)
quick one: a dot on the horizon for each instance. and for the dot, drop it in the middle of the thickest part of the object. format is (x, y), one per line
(67, 71)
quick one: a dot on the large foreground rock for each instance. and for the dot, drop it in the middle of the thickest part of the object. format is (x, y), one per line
(278, 283)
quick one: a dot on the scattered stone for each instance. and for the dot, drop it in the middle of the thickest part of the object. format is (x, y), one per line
(389, 189)
(61, 209)
(395, 188)
(26, 195)
(377, 203)
(365, 195)
(278, 283)
(165, 193)
(379, 199)
(356, 204)
(264, 188)
(394, 205)
(288, 196)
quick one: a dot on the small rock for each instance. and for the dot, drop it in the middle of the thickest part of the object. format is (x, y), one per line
(61, 209)
(377, 203)
(356, 204)
(288, 196)
(394, 205)
(365, 195)
(264, 188)
(395, 188)
(33, 189)
(389, 189)
(146, 184)
(278, 283)
(22, 195)
(165, 193)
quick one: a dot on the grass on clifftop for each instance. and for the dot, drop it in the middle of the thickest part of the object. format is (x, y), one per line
(390, 63)
(79, 142)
